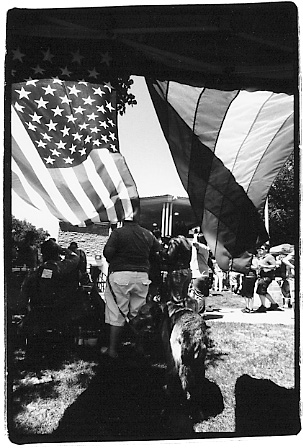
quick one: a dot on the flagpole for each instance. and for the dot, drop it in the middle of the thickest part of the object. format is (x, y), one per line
(266, 215)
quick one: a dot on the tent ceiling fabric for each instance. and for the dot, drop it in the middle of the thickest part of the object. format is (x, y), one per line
(226, 46)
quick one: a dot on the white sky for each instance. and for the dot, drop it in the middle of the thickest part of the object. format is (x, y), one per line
(146, 152)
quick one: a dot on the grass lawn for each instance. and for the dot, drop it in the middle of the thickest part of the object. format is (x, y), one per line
(76, 396)
(261, 351)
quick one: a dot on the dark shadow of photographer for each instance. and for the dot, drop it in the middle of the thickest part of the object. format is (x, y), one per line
(265, 409)
(123, 402)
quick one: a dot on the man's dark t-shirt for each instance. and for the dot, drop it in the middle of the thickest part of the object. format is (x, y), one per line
(128, 248)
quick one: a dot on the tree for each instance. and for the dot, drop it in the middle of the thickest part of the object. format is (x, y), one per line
(124, 97)
(282, 203)
(20, 231)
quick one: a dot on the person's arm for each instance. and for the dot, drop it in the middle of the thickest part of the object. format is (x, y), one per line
(172, 248)
(288, 260)
(28, 288)
(110, 247)
(268, 262)
(156, 247)
(71, 261)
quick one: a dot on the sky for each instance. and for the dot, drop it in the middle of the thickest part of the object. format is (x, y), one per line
(145, 150)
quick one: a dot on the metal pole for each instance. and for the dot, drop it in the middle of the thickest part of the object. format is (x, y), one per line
(266, 216)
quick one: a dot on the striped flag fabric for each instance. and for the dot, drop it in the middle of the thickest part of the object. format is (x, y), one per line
(65, 148)
(228, 147)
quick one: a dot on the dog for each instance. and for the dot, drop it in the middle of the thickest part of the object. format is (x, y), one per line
(180, 335)
(185, 339)
(146, 329)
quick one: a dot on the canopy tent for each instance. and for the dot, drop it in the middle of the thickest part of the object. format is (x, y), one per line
(213, 56)
(232, 46)
(167, 213)
(164, 213)
(282, 249)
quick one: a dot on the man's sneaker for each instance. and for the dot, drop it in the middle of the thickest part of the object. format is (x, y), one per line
(261, 309)
(274, 307)
(246, 310)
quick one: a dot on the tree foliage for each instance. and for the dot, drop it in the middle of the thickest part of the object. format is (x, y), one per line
(282, 202)
(124, 97)
(20, 231)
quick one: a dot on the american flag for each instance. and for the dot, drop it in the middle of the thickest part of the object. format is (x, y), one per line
(65, 149)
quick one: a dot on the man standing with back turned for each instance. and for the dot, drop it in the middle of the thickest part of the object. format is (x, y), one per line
(127, 251)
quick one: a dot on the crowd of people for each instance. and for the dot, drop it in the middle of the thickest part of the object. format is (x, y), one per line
(143, 265)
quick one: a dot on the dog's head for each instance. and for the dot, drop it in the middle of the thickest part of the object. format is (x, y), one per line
(148, 318)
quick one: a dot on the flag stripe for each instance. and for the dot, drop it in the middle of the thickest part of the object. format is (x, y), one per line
(35, 198)
(20, 187)
(29, 175)
(131, 208)
(208, 125)
(282, 140)
(238, 121)
(68, 195)
(262, 133)
(92, 183)
(112, 178)
(70, 178)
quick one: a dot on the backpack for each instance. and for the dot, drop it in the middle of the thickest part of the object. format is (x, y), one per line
(48, 284)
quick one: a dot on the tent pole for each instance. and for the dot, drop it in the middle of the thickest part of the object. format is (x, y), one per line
(266, 215)
(170, 218)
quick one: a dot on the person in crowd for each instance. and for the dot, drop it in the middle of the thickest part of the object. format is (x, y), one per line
(155, 270)
(178, 256)
(235, 282)
(266, 267)
(218, 276)
(248, 285)
(83, 261)
(289, 262)
(281, 278)
(210, 271)
(83, 276)
(28, 253)
(226, 281)
(127, 251)
(200, 272)
(51, 287)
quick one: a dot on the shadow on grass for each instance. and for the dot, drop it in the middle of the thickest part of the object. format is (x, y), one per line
(265, 409)
(126, 400)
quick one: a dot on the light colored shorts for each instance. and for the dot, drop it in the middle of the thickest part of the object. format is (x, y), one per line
(130, 289)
